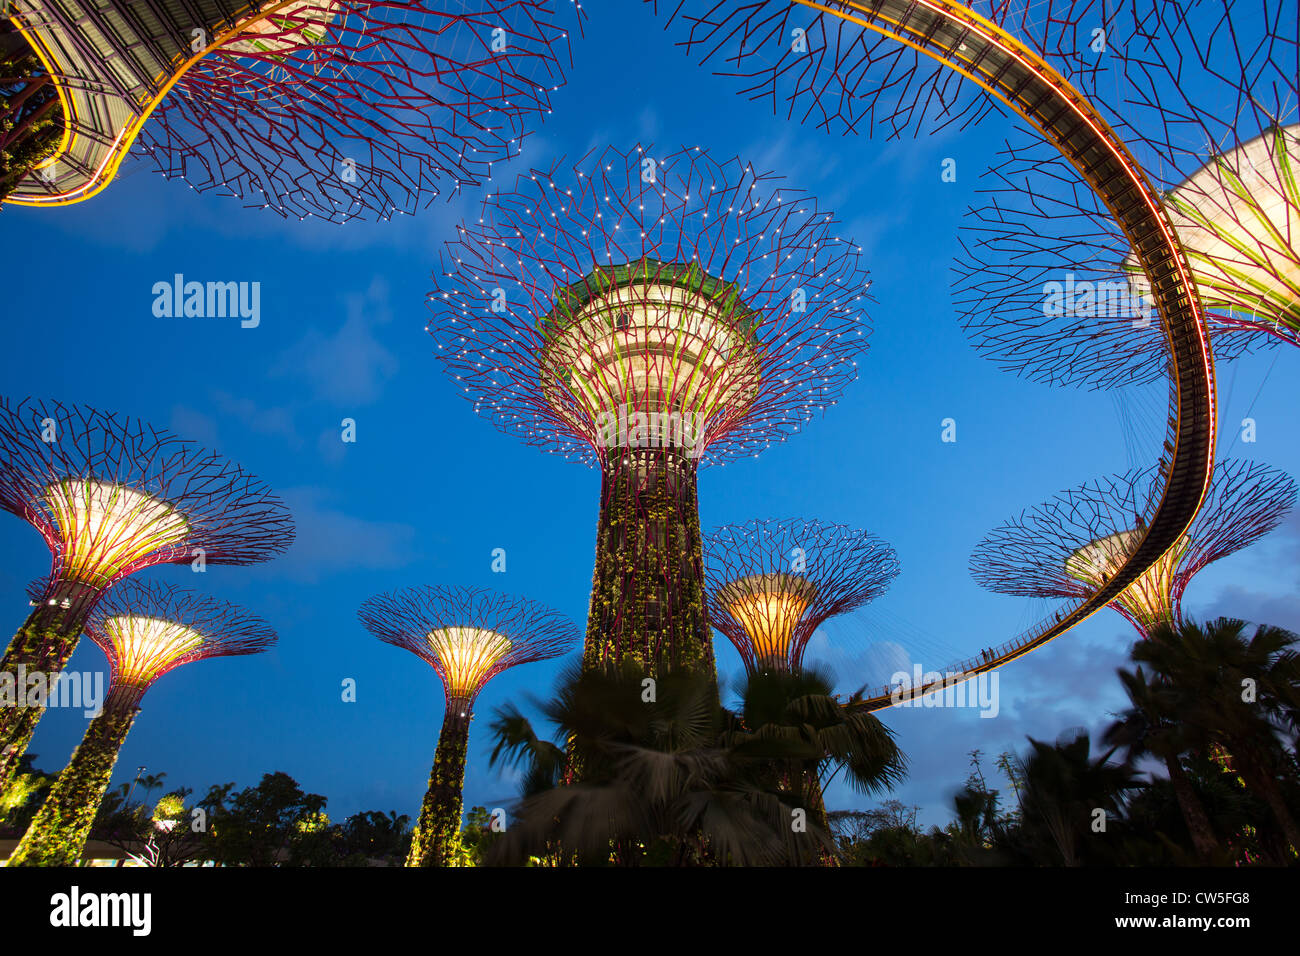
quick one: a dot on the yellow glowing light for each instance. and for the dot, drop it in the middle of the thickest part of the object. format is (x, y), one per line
(1149, 599)
(466, 655)
(107, 527)
(1238, 217)
(646, 344)
(768, 607)
(296, 25)
(144, 646)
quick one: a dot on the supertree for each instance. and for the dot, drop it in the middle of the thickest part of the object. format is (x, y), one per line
(145, 630)
(1205, 95)
(335, 109)
(771, 584)
(645, 313)
(112, 495)
(468, 636)
(823, 62)
(1070, 546)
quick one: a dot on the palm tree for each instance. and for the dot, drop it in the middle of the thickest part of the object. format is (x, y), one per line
(1241, 694)
(1150, 727)
(1064, 790)
(656, 785)
(792, 722)
(670, 776)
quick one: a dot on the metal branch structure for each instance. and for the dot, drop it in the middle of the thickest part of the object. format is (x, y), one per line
(1015, 69)
(112, 495)
(333, 109)
(771, 584)
(1071, 545)
(145, 630)
(645, 312)
(1181, 77)
(1050, 288)
(816, 65)
(468, 636)
(1209, 95)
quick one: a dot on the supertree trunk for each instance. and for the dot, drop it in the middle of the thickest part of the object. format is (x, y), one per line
(439, 825)
(1261, 780)
(648, 601)
(1198, 823)
(57, 835)
(41, 647)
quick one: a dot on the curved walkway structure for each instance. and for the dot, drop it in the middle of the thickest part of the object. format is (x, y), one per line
(966, 42)
(112, 63)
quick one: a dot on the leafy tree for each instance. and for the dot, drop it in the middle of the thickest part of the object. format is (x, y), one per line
(1237, 694)
(477, 836)
(1151, 727)
(272, 823)
(1068, 796)
(374, 836)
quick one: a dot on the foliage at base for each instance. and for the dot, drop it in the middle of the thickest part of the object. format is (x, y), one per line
(58, 833)
(437, 834)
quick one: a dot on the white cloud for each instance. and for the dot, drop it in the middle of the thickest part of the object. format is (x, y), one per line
(350, 365)
(331, 541)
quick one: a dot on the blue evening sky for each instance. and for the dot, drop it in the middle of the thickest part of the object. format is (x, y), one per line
(429, 489)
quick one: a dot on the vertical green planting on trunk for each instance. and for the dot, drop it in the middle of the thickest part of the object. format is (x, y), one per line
(648, 601)
(41, 647)
(58, 833)
(438, 829)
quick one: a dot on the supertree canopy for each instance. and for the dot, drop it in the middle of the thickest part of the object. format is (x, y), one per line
(335, 109)
(468, 636)
(771, 584)
(1069, 546)
(1049, 286)
(645, 312)
(112, 495)
(825, 62)
(145, 630)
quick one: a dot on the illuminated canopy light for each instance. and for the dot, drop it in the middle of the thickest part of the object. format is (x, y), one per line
(649, 337)
(146, 646)
(147, 628)
(301, 24)
(108, 527)
(1148, 599)
(771, 584)
(468, 635)
(467, 655)
(768, 607)
(1071, 544)
(532, 290)
(1238, 218)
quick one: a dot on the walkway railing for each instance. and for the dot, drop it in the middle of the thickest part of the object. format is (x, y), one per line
(964, 41)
